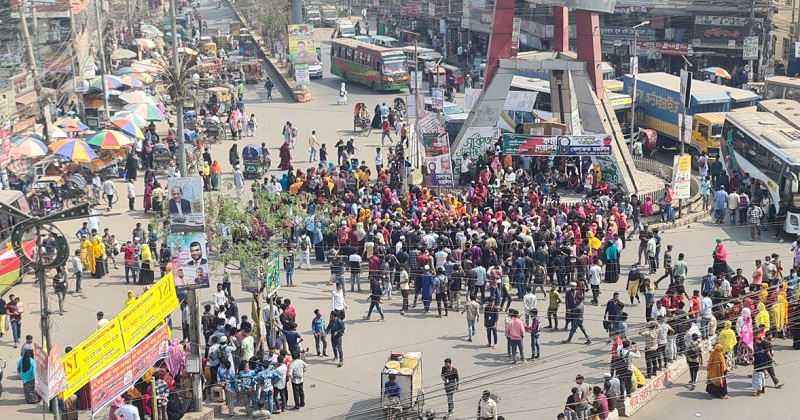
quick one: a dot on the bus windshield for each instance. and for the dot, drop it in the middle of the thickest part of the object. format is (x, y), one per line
(394, 66)
(716, 131)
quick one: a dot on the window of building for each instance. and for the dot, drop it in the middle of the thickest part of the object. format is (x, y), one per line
(786, 47)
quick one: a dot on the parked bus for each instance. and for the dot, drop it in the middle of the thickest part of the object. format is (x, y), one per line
(767, 149)
(11, 269)
(782, 87)
(542, 109)
(785, 109)
(378, 67)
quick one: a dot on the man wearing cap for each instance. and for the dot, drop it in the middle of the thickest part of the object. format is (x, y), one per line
(238, 179)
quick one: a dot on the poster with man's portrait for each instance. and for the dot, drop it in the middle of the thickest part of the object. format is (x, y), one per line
(185, 204)
(189, 260)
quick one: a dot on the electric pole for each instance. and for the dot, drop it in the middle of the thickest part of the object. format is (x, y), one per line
(41, 104)
(191, 296)
(102, 54)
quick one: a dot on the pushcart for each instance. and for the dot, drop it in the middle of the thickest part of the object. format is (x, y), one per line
(161, 157)
(408, 376)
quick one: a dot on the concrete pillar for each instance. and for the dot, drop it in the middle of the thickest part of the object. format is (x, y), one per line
(560, 29)
(500, 38)
(588, 27)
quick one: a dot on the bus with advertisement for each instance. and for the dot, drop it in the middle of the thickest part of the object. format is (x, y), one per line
(378, 67)
(762, 147)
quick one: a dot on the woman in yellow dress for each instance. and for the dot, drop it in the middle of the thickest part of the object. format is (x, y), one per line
(86, 250)
(778, 314)
(91, 261)
(146, 275)
(99, 258)
(762, 317)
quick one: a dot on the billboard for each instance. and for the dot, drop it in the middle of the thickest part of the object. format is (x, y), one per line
(588, 145)
(682, 176)
(302, 48)
(122, 333)
(438, 166)
(189, 260)
(49, 372)
(186, 212)
(120, 375)
(187, 238)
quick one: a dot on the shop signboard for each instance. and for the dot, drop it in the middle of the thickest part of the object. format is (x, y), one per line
(721, 29)
(587, 145)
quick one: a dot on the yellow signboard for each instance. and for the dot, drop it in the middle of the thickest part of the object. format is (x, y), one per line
(92, 356)
(121, 334)
(149, 310)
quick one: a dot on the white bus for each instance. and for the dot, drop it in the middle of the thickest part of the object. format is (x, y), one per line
(542, 106)
(767, 149)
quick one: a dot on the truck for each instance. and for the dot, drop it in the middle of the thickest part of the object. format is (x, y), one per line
(658, 107)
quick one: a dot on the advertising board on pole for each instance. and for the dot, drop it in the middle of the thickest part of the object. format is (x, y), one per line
(187, 239)
(49, 372)
(682, 176)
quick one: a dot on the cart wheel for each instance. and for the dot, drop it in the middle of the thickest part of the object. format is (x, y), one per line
(366, 130)
(114, 198)
(223, 135)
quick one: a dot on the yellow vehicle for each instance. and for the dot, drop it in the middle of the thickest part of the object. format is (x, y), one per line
(706, 133)
(211, 49)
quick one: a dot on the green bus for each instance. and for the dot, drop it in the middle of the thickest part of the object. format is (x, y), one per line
(378, 67)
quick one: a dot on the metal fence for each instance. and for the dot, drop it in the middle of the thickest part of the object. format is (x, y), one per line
(664, 172)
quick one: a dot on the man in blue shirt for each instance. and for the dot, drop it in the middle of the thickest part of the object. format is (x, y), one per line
(391, 389)
(709, 281)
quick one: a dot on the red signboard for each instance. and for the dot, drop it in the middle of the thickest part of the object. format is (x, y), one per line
(123, 373)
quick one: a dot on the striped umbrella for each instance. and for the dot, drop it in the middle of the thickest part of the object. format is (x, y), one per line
(128, 128)
(137, 97)
(131, 81)
(111, 139)
(74, 150)
(146, 111)
(71, 125)
(29, 146)
(112, 82)
(130, 116)
(58, 133)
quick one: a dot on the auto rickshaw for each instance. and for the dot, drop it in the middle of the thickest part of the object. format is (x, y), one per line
(255, 162)
(455, 76)
(437, 78)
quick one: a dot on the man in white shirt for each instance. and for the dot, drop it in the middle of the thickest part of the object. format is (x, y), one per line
(127, 411)
(529, 301)
(131, 194)
(705, 314)
(338, 302)
(218, 299)
(109, 189)
(595, 273)
(77, 269)
(101, 320)
(466, 162)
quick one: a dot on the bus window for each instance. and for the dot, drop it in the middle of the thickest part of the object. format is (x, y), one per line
(716, 131)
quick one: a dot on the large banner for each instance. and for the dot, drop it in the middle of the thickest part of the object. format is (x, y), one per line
(302, 48)
(124, 371)
(187, 238)
(525, 145)
(120, 334)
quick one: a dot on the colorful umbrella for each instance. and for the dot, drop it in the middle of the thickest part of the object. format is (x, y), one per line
(129, 116)
(19, 138)
(58, 133)
(29, 146)
(73, 149)
(150, 30)
(138, 97)
(131, 81)
(146, 111)
(145, 43)
(127, 127)
(121, 53)
(71, 125)
(111, 139)
(717, 71)
(147, 66)
(112, 82)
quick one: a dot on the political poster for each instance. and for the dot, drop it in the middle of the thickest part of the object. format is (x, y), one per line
(186, 211)
(189, 260)
(272, 271)
(411, 106)
(519, 101)
(470, 98)
(588, 145)
(437, 170)
(437, 98)
(50, 377)
(302, 48)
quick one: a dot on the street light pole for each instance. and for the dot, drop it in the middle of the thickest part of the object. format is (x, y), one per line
(634, 72)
